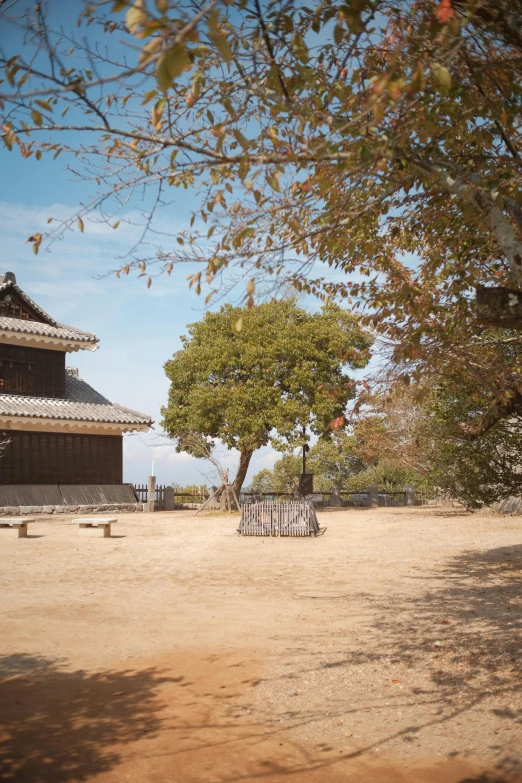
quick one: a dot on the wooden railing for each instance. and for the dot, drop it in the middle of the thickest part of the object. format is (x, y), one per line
(180, 498)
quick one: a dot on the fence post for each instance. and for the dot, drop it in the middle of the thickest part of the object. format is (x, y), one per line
(373, 496)
(168, 504)
(335, 497)
(409, 496)
(151, 493)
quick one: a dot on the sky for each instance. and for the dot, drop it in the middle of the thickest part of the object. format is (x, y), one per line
(139, 329)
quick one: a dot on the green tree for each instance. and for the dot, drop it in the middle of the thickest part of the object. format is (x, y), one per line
(262, 481)
(332, 462)
(282, 371)
(286, 472)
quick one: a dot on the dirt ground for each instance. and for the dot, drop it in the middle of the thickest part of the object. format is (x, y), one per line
(386, 650)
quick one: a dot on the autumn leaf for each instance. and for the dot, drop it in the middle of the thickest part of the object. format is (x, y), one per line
(136, 16)
(80, 224)
(37, 118)
(149, 51)
(157, 111)
(338, 423)
(36, 239)
(444, 11)
(442, 75)
(222, 45)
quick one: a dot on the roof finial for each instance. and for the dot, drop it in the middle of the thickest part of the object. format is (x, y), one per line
(8, 277)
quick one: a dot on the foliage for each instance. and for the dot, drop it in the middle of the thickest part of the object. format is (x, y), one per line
(332, 462)
(420, 435)
(286, 472)
(262, 481)
(376, 137)
(282, 372)
(190, 489)
(479, 472)
(386, 475)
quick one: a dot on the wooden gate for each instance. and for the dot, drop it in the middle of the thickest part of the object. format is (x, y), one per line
(292, 518)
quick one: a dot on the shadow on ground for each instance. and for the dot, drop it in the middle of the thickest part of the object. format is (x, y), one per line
(58, 725)
(461, 633)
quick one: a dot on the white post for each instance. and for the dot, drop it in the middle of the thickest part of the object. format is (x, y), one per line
(151, 492)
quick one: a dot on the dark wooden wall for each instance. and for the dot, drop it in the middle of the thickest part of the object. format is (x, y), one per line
(34, 372)
(56, 458)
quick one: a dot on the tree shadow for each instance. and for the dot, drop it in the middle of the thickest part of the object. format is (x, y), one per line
(59, 725)
(460, 630)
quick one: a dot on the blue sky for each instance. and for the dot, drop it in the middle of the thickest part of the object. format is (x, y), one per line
(139, 328)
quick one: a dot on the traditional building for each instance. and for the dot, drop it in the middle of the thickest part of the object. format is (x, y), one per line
(55, 429)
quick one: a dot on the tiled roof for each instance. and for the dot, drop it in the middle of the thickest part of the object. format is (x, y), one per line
(81, 403)
(60, 331)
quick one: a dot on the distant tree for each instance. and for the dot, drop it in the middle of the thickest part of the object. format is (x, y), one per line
(285, 473)
(386, 475)
(332, 462)
(259, 375)
(262, 481)
(416, 434)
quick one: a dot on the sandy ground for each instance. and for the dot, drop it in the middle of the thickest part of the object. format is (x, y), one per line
(387, 649)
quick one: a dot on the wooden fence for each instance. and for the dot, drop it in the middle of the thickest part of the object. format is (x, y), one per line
(180, 498)
(385, 498)
(319, 500)
(290, 518)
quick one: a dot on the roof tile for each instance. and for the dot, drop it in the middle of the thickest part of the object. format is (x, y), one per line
(81, 403)
(60, 331)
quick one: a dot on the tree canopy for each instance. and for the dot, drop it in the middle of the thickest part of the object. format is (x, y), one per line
(379, 138)
(283, 371)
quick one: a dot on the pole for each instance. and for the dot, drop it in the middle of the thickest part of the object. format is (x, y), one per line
(304, 450)
(151, 492)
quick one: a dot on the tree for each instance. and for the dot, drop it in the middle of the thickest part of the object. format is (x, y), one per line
(262, 482)
(286, 472)
(332, 462)
(284, 370)
(411, 435)
(377, 137)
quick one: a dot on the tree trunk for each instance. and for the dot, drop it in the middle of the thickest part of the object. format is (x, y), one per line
(244, 462)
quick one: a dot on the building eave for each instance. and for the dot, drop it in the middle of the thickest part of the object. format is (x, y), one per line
(44, 341)
(38, 424)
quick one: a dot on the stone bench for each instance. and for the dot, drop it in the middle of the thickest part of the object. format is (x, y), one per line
(98, 527)
(14, 527)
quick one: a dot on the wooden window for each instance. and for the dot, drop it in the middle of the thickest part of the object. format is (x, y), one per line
(17, 377)
(34, 372)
